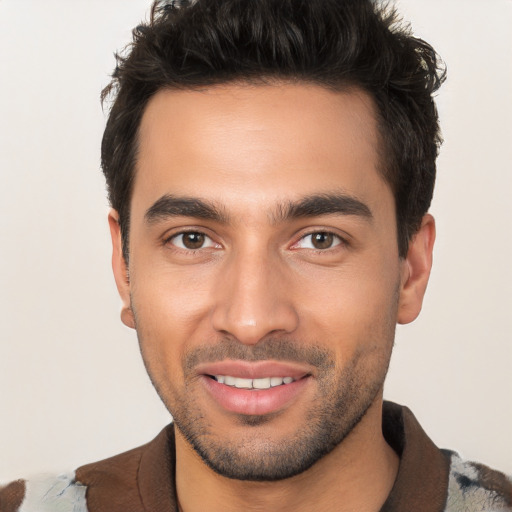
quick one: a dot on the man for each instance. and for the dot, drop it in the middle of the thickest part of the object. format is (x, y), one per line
(270, 166)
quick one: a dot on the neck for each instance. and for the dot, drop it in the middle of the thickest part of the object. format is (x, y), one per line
(357, 475)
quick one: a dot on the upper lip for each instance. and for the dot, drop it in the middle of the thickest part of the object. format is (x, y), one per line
(254, 369)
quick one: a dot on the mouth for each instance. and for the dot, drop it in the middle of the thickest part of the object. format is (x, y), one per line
(255, 388)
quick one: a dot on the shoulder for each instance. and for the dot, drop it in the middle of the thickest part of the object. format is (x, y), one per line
(474, 487)
(114, 477)
(115, 481)
(44, 493)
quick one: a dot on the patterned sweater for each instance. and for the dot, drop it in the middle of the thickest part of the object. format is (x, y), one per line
(142, 480)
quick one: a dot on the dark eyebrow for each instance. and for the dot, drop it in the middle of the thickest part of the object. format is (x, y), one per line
(323, 204)
(310, 206)
(173, 206)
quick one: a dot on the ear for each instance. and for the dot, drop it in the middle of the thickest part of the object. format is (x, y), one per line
(120, 269)
(416, 271)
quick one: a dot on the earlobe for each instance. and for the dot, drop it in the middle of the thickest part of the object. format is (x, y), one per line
(127, 317)
(120, 269)
(416, 271)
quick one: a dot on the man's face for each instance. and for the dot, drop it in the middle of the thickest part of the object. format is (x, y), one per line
(264, 275)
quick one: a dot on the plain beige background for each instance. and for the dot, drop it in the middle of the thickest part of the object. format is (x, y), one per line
(72, 386)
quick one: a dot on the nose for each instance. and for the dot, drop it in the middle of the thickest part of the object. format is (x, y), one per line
(254, 300)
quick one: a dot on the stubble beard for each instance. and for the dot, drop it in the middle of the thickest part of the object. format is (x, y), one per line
(342, 400)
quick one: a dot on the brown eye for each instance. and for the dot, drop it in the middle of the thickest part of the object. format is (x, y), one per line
(322, 240)
(192, 240)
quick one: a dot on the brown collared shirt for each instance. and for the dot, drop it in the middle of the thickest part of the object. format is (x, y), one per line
(142, 480)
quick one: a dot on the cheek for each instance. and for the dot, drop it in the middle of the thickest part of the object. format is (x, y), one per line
(170, 296)
(170, 308)
(354, 307)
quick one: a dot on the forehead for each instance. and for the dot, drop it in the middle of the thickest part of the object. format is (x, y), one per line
(264, 143)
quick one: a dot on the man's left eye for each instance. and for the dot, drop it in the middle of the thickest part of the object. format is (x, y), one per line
(192, 240)
(319, 240)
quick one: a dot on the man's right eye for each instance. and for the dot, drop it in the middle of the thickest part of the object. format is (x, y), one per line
(192, 240)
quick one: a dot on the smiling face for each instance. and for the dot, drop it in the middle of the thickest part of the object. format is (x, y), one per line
(264, 276)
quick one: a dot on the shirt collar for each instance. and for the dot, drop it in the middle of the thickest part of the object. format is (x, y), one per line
(421, 482)
(422, 479)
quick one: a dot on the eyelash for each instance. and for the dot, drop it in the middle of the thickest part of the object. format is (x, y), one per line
(337, 241)
(169, 239)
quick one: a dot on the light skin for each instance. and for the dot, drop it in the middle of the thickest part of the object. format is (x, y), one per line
(263, 244)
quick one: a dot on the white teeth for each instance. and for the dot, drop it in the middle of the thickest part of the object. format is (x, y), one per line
(263, 383)
(243, 383)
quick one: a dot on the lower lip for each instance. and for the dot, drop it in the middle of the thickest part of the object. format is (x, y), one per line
(254, 402)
